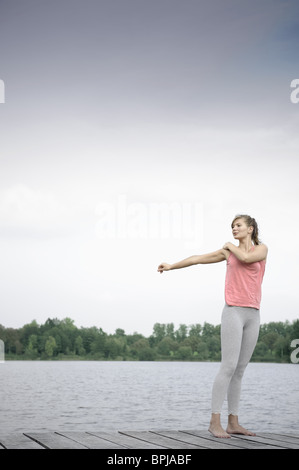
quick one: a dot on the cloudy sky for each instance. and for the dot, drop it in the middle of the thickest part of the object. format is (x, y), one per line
(132, 132)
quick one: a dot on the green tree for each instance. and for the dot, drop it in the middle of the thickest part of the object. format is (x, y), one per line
(50, 346)
(202, 351)
(141, 350)
(146, 354)
(28, 330)
(159, 332)
(79, 348)
(111, 348)
(195, 330)
(167, 346)
(294, 330)
(170, 330)
(98, 345)
(184, 353)
(269, 339)
(119, 332)
(181, 333)
(12, 341)
(281, 347)
(32, 346)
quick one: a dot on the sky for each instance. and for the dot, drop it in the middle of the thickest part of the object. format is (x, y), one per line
(131, 133)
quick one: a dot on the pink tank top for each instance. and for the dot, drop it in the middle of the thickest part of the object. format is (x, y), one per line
(243, 282)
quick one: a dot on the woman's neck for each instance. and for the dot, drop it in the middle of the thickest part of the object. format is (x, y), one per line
(246, 244)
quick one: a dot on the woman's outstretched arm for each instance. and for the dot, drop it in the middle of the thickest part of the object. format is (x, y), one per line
(214, 257)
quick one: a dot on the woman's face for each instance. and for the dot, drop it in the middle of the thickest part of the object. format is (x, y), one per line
(240, 229)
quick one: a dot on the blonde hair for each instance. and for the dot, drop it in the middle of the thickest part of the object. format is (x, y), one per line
(250, 222)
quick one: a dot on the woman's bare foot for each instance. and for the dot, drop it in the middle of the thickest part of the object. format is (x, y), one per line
(215, 427)
(218, 431)
(239, 430)
(234, 427)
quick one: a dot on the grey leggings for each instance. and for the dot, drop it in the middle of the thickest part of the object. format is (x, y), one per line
(239, 334)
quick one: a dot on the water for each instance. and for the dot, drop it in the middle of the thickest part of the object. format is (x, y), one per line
(110, 396)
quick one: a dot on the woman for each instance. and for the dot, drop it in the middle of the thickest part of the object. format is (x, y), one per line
(240, 317)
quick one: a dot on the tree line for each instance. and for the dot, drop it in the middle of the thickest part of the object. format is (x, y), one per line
(61, 339)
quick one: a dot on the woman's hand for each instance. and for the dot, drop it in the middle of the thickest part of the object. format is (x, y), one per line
(164, 267)
(227, 246)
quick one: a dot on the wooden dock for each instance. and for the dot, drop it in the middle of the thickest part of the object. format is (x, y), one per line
(122, 440)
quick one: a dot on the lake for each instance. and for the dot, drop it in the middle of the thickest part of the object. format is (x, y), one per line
(110, 396)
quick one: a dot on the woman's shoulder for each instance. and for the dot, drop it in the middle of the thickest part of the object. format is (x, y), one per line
(261, 247)
(260, 252)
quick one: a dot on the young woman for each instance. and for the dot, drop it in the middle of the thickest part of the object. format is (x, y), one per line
(240, 319)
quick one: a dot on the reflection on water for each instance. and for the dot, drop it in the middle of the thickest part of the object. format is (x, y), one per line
(108, 396)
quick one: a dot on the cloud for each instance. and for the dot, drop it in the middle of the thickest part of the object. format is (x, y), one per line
(24, 210)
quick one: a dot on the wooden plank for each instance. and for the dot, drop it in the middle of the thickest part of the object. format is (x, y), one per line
(231, 442)
(280, 437)
(52, 440)
(18, 441)
(196, 440)
(269, 442)
(296, 436)
(126, 441)
(91, 441)
(160, 440)
(212, 442)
